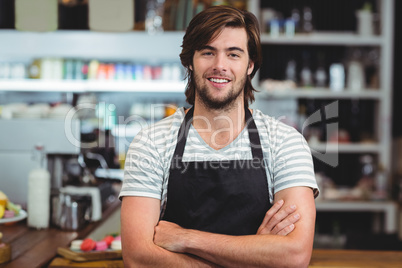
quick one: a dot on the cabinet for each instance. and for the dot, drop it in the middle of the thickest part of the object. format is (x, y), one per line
(139, 46)
(336, 40)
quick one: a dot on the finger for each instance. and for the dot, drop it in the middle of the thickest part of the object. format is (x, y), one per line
(282, 228)
(272, 211)
(287, 230)
(289, 220)
(279, 216)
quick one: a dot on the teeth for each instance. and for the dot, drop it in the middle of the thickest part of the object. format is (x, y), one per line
(215, 80)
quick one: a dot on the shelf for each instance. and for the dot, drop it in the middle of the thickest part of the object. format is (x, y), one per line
(92, 86)
(324, 38)
(322, 93)
(389, 208)
(355, 205)
(346, 148)
(125, 46)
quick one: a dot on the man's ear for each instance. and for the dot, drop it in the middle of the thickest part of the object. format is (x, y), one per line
(250, 67)
(190, 67)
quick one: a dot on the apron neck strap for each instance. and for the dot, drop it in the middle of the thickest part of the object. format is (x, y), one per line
(254, 137)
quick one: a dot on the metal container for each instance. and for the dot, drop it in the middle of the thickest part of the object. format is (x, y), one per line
(71, 212)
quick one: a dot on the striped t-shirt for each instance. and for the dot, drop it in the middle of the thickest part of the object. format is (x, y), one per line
(287, 157)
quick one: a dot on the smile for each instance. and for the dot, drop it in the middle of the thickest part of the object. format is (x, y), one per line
(218, 80)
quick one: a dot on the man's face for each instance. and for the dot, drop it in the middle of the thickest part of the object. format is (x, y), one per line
(220, 69)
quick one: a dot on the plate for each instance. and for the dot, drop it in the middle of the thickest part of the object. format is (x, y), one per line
(84, 256)
(22, 215)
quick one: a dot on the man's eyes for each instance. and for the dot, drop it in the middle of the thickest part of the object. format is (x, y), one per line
(207, 53)
(210, 53)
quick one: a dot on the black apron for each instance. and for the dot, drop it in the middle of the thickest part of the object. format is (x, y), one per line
(226, 197)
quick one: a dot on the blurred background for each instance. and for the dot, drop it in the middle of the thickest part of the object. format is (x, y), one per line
(80, 78)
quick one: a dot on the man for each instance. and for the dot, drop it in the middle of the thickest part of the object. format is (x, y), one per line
(199, 185)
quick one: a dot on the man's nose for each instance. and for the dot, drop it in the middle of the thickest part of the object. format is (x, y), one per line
(220, 62)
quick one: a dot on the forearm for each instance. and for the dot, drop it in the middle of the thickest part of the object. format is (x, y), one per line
(247, 251)
(139, 215)
(154, 256)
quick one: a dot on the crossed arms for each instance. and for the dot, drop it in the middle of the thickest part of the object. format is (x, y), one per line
(283, 239)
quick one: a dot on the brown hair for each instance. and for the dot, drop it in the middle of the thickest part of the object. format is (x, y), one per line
(207, 25)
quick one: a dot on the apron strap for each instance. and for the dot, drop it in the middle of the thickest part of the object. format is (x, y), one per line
(254, 137)
(183, 133)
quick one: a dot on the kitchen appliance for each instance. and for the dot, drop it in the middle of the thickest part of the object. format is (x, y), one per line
(75, 206)
(70, 212)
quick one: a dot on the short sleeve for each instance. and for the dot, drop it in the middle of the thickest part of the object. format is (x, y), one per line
(143, 171)
(293, 163)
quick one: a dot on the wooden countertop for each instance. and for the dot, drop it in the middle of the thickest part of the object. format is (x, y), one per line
(355, 258)
(36, 248)
(321, 258)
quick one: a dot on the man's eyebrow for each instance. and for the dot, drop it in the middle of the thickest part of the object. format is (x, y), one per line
(235, 48)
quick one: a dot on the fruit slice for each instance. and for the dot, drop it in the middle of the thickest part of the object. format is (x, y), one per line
(108, 239)
(2, 210)
(3, 199)
(13, 207)
(88, 244)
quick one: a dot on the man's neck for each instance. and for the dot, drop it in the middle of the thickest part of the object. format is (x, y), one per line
(219, 128)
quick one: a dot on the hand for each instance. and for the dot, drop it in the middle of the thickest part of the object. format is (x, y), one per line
(279, 221)
(168, 235)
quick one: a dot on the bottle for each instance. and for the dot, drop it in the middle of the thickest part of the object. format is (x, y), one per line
(34, 69)
(356, 80)
(295, 15)
(337, 77)
(291, 71)
(367, 175)
(39, 193)
(290, 28)
(306, 75)
(365, 20)
(320, 75)
(380, 183)
(307, 20)
(154, 16)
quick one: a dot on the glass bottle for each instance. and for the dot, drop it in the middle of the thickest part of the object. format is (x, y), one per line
(154, 16)
(307, 20)
(39, 192)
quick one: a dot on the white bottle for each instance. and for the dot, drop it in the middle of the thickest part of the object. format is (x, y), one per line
(365, 20)
(39, 193)
(337, 77)
(356, 77)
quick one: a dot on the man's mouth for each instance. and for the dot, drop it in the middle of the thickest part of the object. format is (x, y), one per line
(219, 80)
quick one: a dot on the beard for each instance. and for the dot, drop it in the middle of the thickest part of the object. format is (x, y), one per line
(223, 103)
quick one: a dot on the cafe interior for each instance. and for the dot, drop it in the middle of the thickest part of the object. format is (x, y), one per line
(80, 78)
